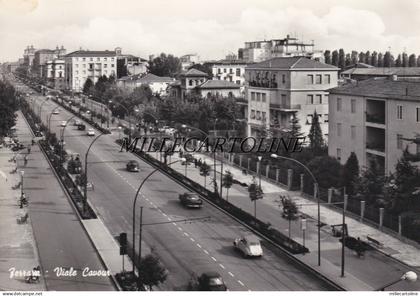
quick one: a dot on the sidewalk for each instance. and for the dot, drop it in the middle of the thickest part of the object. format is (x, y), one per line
(17, 244)
(360, 274)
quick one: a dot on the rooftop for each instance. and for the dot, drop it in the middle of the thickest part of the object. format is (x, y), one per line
(194, 73)
(212, 84)
(375, 71)
(381, 88)
(292, 63)
(148, 78)
(92, 53)
(231, 62)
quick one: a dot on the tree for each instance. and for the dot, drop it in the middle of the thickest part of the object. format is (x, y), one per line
(412, 60)
(327, 57)
(374, 59)
(316, 139)
(290, 210)
(165, 65)
(335, 58)
(227, 182)
(404, 59)
(362, 57)
(398, 61)
(387, 59)
(354, 57)
(380, 60)
(295, 128)
(255, 193)
(347, 60)
(205, 171)
(341, 59)
(368, 58)
(418, 61)
(101, 86)
(350, 173)
(88, 86)
(371, 183)
(205, 67)
(151, 271)
(326, 170)
(8, 107)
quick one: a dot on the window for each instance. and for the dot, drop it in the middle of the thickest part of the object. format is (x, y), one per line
(252, 96)
(219, 71)
(338, 129)
(319, 99)
(338, 154)
(258, 115)
(77, 72)
(105, 59)
(418, 149)
(338, 104)
(264, 116)
(84, 65)
(325, 117)
(224, 70)
(238, 82)
(327, 78)
(91, 59)
(400, 112)
(310, 99)
(84, 59)
(258, 97)
(238, 71)
(283, 78)
(353, 132)
(353, 105)
(263, 95)
(112, 65)
(112, 59)
(399, 141)
(283, 100)
(418, 114)
(190, 82)
(310, 79)
(77, 65)
(105, 65)
(98, 59)
(230, 71)
(84, 71)
(252, 114)
(318, 79)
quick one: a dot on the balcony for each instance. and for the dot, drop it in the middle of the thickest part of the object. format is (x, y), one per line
(375, 139)
(286, 108)
(375, 111)
(375, 118)
(375, 146)
(263, 83)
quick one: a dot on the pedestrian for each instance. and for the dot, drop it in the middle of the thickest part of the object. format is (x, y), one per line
(25, 159)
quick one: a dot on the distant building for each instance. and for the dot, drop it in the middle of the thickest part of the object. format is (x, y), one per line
(84, 64)
(280, 88)
(158, 85)
(230, 70)
(42, 56)
(376, 119)
(28, 57)
(128, 64)
(218, 89)
(188, 60)
(258, 51)
(364, 72)
(56, 74)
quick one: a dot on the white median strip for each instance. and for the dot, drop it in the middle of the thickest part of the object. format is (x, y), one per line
(214, 259)
(221, 265)
(231, 274)
(198, 245)
(186, 234)
(241, 283)
(193, 240)
(205, 251)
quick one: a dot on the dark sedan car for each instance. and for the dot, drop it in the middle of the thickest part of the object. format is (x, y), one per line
(190, 200)
(211, 281)
(133, 166)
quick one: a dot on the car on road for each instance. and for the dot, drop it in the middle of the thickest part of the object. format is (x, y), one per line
(132, 166)
(81, 127)
(163, 128)
(211, 281)
(170, 131)
(249, 246)
(56, 111)
(191, 200)
(77, 122)
(91, 132)
(63, 123)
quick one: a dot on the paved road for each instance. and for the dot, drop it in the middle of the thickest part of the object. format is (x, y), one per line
(60, 238)
(184, 248)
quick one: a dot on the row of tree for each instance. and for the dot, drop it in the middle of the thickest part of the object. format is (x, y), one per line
(8, 107)
(342, 59)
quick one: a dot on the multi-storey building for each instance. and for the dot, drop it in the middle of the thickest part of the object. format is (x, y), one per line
(28, 57)
(84, 64)
(230, 70)
(377, 119)
(280, 88)
(158, 85)
(258, 51)
(55, 74)
(42, 56)
(188, 60)
(128, 64)
(367, 72)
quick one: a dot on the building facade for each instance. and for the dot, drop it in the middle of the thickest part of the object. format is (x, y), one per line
(218, 89)
(42, 56)
(84, 64)
(363, 73)
(56, 74)
(28, 57)
(258, 51)
(158, 85)
(376, 119)
(188, 60)
(281, 88)
(230, 70)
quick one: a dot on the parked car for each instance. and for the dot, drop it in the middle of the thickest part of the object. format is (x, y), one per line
(56, 111)
(211, 281)
(163, 128)
(63, 123)
(81, 127)
(249, 246)
(91, 132)
(77, 122)
(190, 200)
(132, 166)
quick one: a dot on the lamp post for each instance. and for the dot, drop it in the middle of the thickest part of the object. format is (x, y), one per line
(86, 172)
(128, 114)
(49, 118)
(40, 107)
(62, 138)
(409, 276)
(134, 214)
(259, 170)
(315, 195)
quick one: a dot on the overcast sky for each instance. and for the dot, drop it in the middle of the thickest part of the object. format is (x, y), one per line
(211, 28)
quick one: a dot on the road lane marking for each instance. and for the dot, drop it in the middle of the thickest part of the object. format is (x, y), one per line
(214, 259)
(179, 228)
(231, 274)
(205, 251)
(241, 283)
(186, 234)
(193, 240)
(164, 214)
(221, 265)
(169, 219)
(198, 245)
(174, 223)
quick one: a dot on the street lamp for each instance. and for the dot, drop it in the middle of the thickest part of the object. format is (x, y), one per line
(315, 195)
(49, 119)
(128, 114)
(134, 213)
(409, 276)
(259, 170)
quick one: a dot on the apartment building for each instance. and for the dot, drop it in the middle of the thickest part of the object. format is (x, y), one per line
(377, 119)
(230, 70)
(84, 64)
(42, 56)
(158, 85)
(280, 88)
(189, 60)
(258, 51)
(55, 74)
